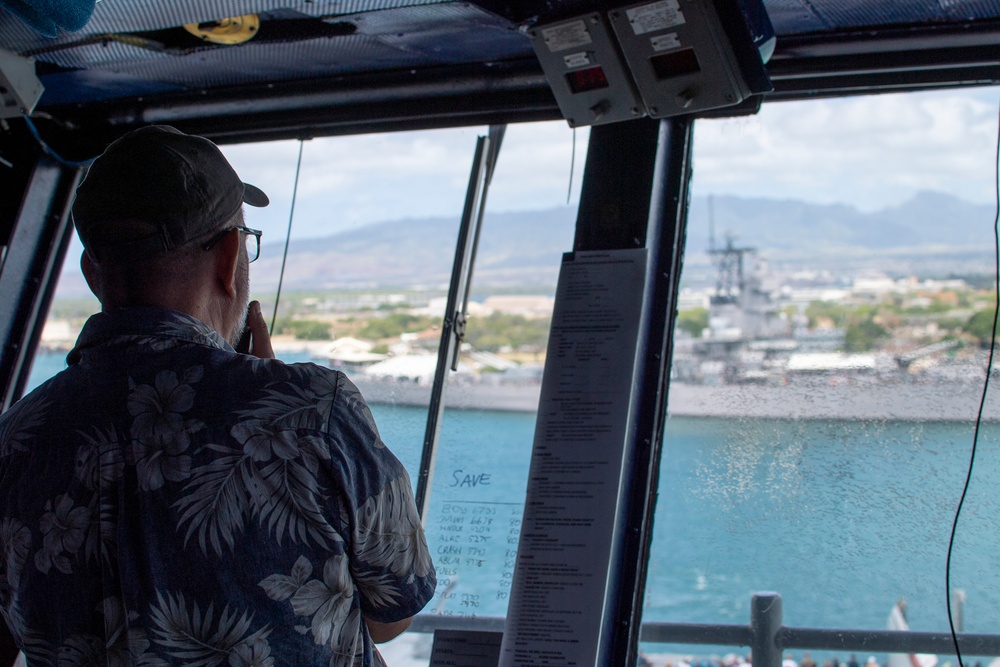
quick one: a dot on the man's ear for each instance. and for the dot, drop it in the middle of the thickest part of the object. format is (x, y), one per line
(92, 273)
(227, 256)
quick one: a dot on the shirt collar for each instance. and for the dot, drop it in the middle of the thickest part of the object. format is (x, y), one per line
(132, 323)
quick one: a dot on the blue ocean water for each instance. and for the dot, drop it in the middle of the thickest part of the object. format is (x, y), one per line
(842, 518)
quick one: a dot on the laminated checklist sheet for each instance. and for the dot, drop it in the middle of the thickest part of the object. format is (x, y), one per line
(465, 648)
(561, 578)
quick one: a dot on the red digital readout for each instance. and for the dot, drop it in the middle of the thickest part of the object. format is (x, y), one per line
(582, 80)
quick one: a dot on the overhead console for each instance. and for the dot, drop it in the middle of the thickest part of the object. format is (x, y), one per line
(658, 59)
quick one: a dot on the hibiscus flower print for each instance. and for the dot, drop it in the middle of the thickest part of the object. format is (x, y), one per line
(159, 408)
(328, 600)
(389, 534)
(160, 458)
(412, 553)
(261, 440)
(256, 653)
(63, 527)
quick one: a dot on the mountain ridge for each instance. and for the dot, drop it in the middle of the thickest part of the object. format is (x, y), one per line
(931, 232)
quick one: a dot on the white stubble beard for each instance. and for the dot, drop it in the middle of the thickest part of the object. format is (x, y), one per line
(238, 312)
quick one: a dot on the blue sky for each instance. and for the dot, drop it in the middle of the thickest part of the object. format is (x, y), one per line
(870, 152)
(347, 182)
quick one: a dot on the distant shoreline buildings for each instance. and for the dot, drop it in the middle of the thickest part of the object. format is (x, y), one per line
(758, 349)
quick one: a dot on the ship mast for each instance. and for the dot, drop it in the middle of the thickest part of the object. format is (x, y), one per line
(730, 281)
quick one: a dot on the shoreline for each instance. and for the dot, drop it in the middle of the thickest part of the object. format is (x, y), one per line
(803, 398)
(945, 402)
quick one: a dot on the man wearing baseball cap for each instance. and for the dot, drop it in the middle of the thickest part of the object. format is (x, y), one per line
(169, 500)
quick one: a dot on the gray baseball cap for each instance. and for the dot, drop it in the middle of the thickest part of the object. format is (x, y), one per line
(156, 189)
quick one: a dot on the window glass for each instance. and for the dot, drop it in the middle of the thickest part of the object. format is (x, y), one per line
(371, 246)
(831, 341)
(828, 363)
(364, 290)
(481, 471)
(71, 305)
(362, 205)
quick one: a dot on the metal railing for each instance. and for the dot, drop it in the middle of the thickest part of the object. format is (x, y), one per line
(766, 636)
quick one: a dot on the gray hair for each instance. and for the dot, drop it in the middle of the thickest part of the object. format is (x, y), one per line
(140, 281)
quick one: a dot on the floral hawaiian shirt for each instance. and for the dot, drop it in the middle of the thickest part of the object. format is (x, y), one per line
(165, 500)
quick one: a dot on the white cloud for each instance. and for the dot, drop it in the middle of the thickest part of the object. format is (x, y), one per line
(533, 171)
(351, 181)
(870, 152)
(347, 181)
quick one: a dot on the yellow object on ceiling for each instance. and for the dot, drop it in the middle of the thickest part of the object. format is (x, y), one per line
(232, 30)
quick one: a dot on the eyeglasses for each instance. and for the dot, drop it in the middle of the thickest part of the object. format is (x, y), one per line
(252, 236)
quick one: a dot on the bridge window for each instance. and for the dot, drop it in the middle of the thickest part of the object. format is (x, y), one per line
(827, 368)
(480, 478)
(364, 289)
(830, 350)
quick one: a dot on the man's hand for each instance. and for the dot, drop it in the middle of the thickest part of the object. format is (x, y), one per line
(260, 345)
(383, 632)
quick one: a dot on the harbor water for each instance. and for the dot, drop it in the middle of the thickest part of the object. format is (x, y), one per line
(841, 517)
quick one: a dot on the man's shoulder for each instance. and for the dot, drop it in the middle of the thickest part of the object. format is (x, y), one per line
(300, 373)
(272, 382)
(44, 394)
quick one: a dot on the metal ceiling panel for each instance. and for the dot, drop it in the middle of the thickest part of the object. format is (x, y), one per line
(144, 15)
(19, 38)
(98, 56)
(460, 15)
(137, 15)
(417, 42)
(350, 7)
(275, 62)
(447, 33)
(98, 86)
(797, 17)
(388, 39)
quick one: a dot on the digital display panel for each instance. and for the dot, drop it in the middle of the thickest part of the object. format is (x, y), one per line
(583, 80)
(675, 63)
